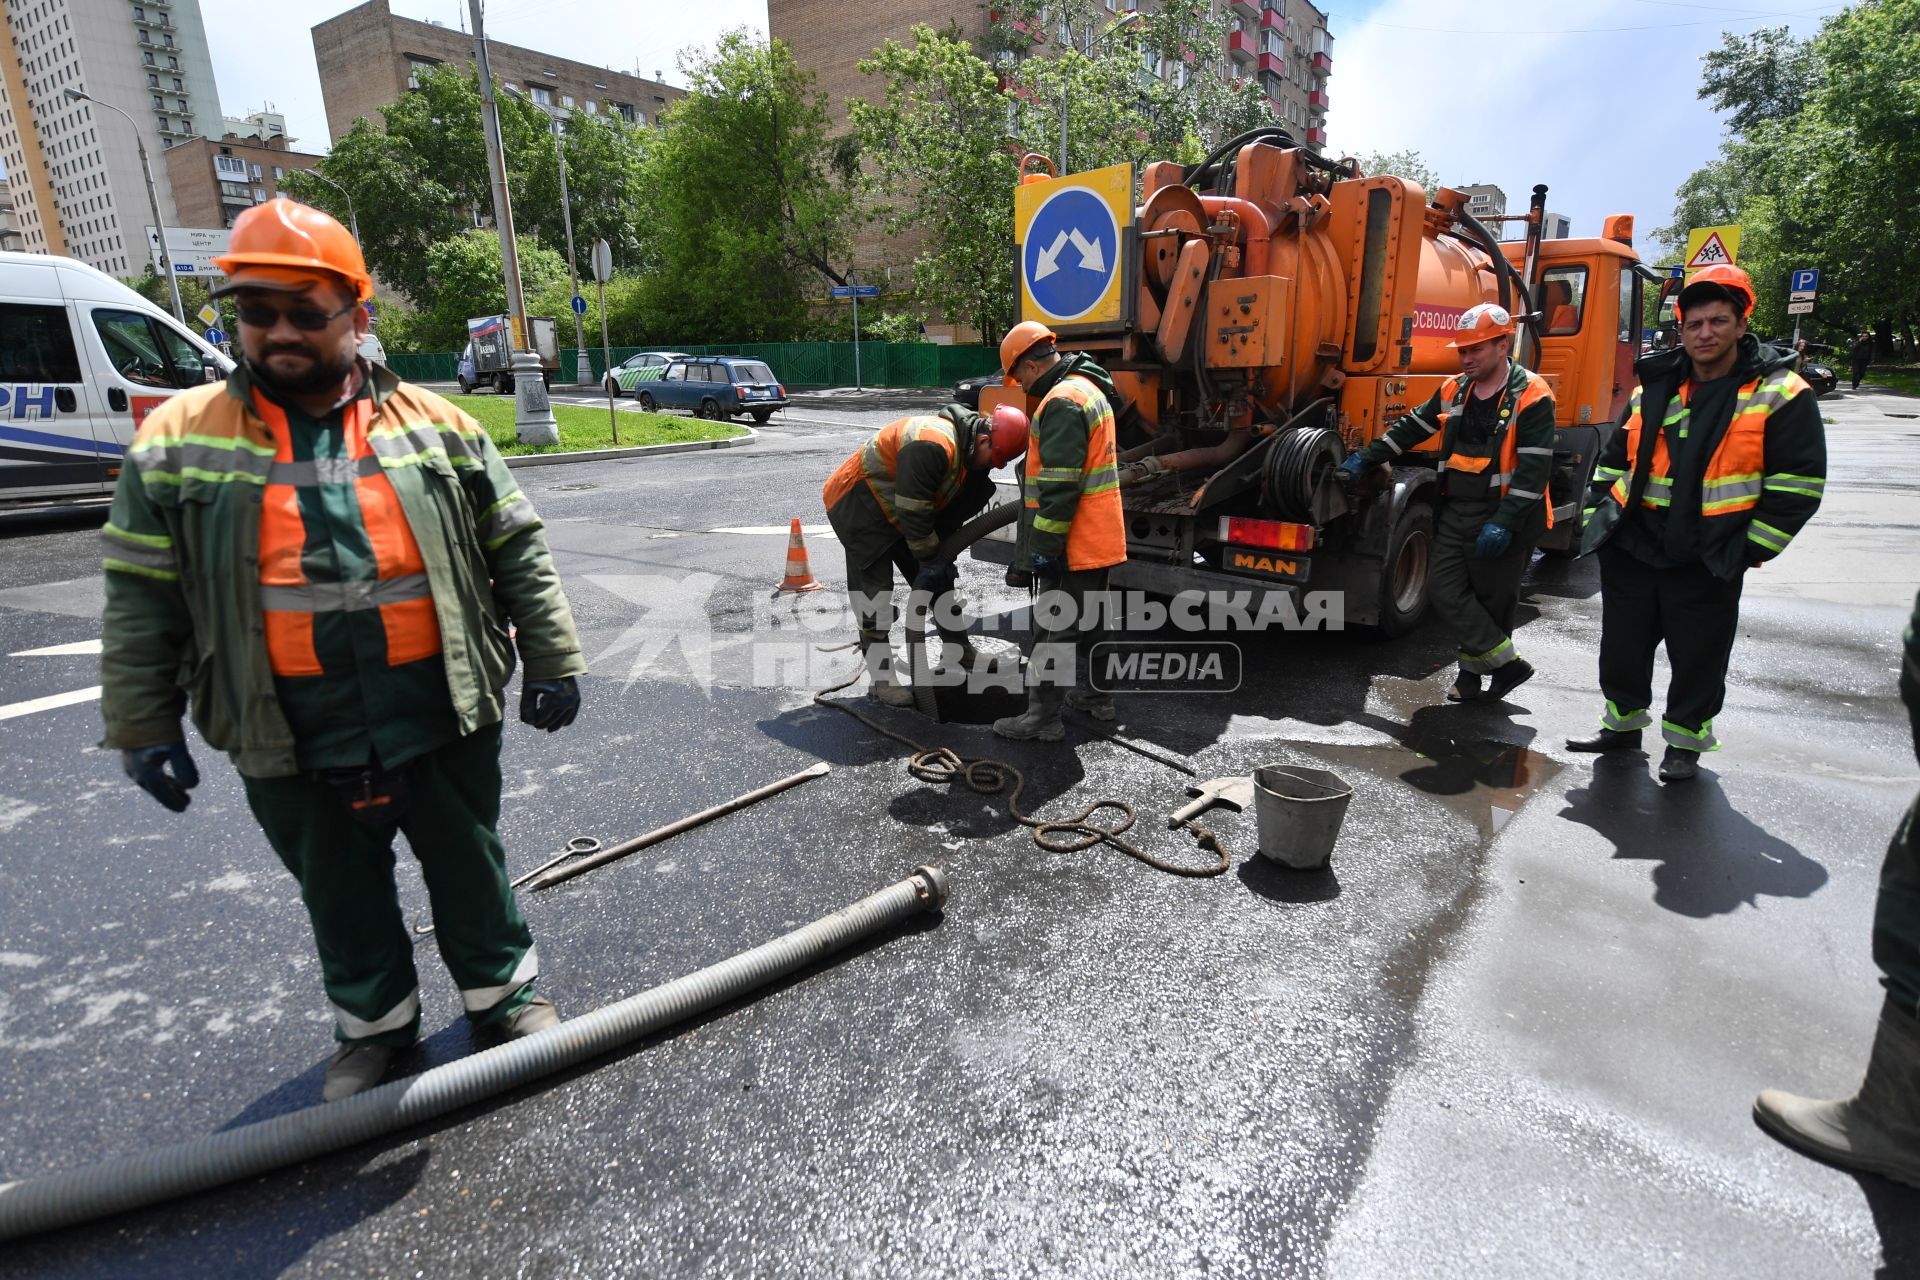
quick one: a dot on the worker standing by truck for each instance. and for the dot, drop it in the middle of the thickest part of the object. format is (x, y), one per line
(321, 561)
(1495, 423)
(1071, 524)
(1733, 465)
(890, 504)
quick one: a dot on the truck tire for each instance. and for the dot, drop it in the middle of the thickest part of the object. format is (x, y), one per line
(1566, 534)
(503, 383)
(1404, 573)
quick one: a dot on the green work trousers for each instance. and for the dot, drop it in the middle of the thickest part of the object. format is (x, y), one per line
(345, 872)
(1070, 617)
(1896, 915)
(1476, 597)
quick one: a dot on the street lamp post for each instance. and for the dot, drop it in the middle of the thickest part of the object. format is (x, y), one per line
(153, 199)
(532, 412)
(581, 370)
(353, 219)
(1124, 21)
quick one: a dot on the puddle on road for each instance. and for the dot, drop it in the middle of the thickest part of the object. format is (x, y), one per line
(1483, 780)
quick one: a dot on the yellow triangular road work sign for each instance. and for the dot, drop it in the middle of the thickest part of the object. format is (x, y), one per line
(1709, 246)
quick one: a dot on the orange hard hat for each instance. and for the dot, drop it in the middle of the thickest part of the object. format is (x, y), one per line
(1021, 339)
(1009, 434)
(283, 245)
(1482, 322)
(1729, 279)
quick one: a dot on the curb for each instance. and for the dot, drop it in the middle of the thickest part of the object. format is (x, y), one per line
(636, 454)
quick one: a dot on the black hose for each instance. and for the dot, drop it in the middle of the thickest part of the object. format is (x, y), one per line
(920, 672)
(1298, 462)
(1503, 271)
(1232, 145)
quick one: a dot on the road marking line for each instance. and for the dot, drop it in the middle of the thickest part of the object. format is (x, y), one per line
(768, 530)
(49, 703)
(58, 650)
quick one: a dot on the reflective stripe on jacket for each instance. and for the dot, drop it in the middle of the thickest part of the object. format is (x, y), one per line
(1522, 442)
(1073, 480)
(183, 624)
(295, 586)
(907, 507)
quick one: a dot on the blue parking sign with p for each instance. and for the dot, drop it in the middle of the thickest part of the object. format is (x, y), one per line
(1806, 280)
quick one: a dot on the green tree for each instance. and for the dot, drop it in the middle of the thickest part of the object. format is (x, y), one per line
(464, 279)
(750, 201)
(1763, 77)
(1408, 164)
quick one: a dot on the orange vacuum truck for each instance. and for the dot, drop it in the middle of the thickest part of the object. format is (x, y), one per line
(1268, 310)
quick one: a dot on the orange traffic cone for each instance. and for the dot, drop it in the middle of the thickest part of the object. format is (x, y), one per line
(799, 576)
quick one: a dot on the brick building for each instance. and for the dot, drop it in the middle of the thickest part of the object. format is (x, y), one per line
(1283, 44)
(367, 58)
(215, 181)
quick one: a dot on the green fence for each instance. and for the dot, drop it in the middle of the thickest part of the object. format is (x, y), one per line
(797, 364)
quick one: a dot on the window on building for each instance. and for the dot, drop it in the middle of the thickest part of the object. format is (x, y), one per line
(625, 110)
(186, 126)
(591, 107)
(279, 172)
(173, 64)
(177, 83)
(566, 100)
(153, 81)
(36, 345)
(159, 103)
(259, 195)
(416, 68)
(229, 168)
(161, 121)
(180, 104)
(139, 14)
(542, 95)
(256, 172)
(147, 58)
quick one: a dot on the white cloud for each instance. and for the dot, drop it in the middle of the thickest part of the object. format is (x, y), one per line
(1607, 118)
(264, 52)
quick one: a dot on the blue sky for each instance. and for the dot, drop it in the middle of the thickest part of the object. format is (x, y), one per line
(1595, 98)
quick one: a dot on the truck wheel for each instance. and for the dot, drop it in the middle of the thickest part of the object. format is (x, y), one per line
(646, 401)
(503, 383)
(1403, 577)
(466, 388)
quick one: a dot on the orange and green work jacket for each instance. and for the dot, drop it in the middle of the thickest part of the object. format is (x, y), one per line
(1764, 453)
(902, 481)
(239, 545)
(1521, 444)
(1072, 480)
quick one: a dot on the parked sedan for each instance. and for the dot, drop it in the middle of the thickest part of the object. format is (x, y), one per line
(716, 387)
(635, 369)
(967, 390)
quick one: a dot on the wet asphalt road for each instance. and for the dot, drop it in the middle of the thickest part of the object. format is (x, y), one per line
(1515, 1030)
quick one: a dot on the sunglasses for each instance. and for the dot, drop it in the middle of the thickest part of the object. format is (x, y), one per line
(306, 319)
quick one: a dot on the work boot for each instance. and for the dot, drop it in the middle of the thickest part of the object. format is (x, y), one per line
(1607, 740)
(1095, 703)
(1878, 1129)
(1505, 679)
(1679, 765)
(1465, 687)
(960, 651)
(356, 1065)
(1041, 719)
(537, 1014)
(886, 686)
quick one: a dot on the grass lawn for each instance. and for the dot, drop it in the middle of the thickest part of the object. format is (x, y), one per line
(583, 428)
(1905, 381)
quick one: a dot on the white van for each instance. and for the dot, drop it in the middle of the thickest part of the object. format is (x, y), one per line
(83, 359)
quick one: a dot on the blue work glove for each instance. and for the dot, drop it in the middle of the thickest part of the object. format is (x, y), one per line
(148, 767)
(1493, 541)
(936, 579)
(549, 704)
(1048, 568)
(1349, 471)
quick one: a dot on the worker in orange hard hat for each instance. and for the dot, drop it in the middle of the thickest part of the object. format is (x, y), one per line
(339, 595)
(892, 502)
(1072, 529)
(1495, 423)
(1720, 461)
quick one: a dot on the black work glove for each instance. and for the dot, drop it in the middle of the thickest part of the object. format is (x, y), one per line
(549, 704)
(1048, 568)
(148, 767)
(936, 579)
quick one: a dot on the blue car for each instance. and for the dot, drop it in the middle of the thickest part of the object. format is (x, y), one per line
(717, 387)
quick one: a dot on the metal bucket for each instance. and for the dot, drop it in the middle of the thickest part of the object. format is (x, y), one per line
(1299, 811)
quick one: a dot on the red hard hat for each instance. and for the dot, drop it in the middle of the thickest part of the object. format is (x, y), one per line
(285, 245)
(1728, 277)
(1009, 434)
(1482, 322)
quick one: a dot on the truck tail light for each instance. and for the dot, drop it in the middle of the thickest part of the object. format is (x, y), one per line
(1273, 535)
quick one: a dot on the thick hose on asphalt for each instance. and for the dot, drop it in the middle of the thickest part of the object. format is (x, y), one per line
(921, 673)
(114, 1186)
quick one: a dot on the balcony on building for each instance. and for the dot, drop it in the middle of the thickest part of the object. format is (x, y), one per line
(1317, 100)
(1317, 136)
(1271, 85)
(1272, 64)
(1322, 63)
(1272, 18)
(1249, 9)
(1240, 47)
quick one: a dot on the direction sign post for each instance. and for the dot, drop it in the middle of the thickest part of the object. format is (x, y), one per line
(1802, 285)
(603, 272)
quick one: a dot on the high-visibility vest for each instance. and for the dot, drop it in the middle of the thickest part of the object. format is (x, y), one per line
(294, 588)
(1503, 442)
(1097, 536)
(1736, 474)
(877, 464)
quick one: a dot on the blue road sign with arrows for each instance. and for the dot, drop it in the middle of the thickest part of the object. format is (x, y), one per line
(579, 305)
(1071, 253)
(214, 337)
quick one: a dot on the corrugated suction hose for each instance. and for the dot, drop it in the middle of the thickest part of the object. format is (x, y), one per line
(131, 1182)
(1298, 462)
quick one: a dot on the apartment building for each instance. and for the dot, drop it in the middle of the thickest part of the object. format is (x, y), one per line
(216, 180)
